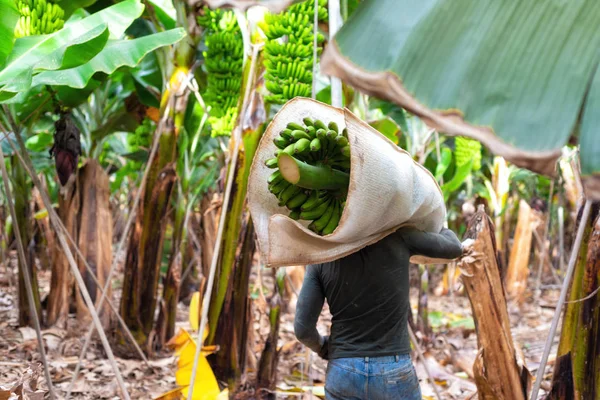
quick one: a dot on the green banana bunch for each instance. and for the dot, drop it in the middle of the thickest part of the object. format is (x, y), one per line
(142, 137)
(38, 17)
(223, 59)
(289, 50)
(467, 149)
(322, 156)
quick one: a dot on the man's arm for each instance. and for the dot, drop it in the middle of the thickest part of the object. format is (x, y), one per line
(443, 245)
(308, 309)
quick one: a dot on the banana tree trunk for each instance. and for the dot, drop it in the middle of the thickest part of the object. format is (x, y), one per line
(21, 192)
(229, 306)
(498, 373)
(94, 236)
(518, 265)
(84, 209)
(233, 328)
(46, 235)
(422, 310)
(144, 253)
(578, 358)
(266, 376)
(61, 280)
(209, 221)
(165, 326)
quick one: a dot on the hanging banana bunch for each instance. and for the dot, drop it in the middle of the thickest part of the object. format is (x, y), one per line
(38, 17)
(289, 50)
(467, 149)
(224, 60)
(142, 136)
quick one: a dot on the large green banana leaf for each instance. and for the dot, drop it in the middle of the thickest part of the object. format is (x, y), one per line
(77, 43)
(519, 76)
(116, 54)
(8, 20)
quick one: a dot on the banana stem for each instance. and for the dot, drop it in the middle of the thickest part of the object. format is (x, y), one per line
(309, 176)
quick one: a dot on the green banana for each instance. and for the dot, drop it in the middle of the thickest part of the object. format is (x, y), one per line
(308, 122)
(331, 142)
(312, 200)
(322, 135)
(313, 203)
(297, 200)
(315, 145)
(300, 134)
(333, 221)
(341, 141)
(288, 193)
(280, 142)
(321, 223)
(317, 212)
(346, 151)
(286, 133)
(295, 215)
(271, 163)
(320, 125)
(279, 187)
(301, 145)
(333, 126)
(275, 177)
(295, 127)
(290, 149)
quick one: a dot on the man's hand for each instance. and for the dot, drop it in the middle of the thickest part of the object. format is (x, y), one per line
(467, 245)
(324, 352)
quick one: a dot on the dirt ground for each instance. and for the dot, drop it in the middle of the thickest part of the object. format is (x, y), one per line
(449, 351)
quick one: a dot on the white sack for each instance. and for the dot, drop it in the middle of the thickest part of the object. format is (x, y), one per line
(388, 189)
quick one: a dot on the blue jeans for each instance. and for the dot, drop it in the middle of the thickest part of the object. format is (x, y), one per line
(372, 378)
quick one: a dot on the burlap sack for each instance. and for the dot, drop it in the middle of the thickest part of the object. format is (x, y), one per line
(387, 190)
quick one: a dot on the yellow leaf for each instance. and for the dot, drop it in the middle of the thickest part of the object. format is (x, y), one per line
(195, 311)
(208, 350)
(316, 390)
(174, 394)
(188, 352)
(205, 386)
(178, 341)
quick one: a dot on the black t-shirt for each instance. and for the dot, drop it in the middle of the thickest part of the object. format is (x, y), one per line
(368, 295)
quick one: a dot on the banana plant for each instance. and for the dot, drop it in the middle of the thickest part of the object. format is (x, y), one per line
(197, 169)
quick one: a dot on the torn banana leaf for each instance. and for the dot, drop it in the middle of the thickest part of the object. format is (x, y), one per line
(520, 77)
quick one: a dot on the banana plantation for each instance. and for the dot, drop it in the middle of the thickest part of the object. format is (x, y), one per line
(189, 188)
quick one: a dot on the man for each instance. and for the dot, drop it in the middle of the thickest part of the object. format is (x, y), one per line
(368, 296)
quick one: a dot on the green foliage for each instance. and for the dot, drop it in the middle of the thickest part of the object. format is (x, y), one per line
(289, 50)
(388, 127)
(467, 149)
(9, 16)
(224, 60)
(38, 17)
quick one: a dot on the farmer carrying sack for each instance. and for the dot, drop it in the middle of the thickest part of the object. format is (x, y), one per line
(387, 190)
